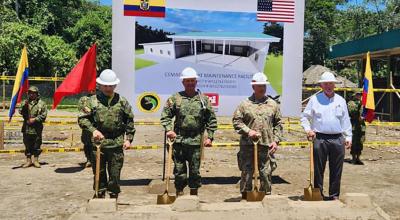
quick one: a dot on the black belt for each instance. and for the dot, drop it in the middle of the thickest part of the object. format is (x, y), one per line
(330, 136)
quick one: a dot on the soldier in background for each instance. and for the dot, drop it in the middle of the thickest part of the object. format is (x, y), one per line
(34, 113)
(358, 128)
(86, 136)
(109, 118)
(193, 115)
(258, 117)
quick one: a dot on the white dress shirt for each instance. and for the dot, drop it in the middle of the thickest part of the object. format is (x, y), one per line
(327, 115)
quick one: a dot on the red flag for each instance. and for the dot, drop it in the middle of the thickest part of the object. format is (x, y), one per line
(82, 78)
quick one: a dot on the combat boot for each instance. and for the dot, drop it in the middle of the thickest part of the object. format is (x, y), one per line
(193, 192)
(113, 195)
(179, 193)
(244, 195)
(28, 162)
(36, 162)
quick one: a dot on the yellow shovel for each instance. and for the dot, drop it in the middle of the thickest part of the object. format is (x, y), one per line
(165, 198)
(311, 193)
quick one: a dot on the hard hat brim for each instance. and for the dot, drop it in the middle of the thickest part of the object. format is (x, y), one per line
(101, 82)
(329, 80)
(259, 83)
(188, 77)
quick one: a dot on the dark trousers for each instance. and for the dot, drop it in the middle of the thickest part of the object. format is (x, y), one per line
(329, 147)
(32, 144)
(88, 148)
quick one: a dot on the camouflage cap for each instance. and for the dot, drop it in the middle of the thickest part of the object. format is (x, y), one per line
(33, 89)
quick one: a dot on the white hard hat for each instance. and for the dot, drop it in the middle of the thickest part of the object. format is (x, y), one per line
(189, 73)
(327, 77)
(259, 79)
(107, 78)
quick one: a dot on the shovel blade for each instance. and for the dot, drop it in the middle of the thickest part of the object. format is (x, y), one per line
(165, 199)
(255, 196)
(312, 194)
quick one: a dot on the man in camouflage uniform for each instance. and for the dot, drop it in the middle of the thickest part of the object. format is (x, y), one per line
(257, 117)
(109, 118)
(86, 136)
(193, 115)
(358, 128)
(34, 112)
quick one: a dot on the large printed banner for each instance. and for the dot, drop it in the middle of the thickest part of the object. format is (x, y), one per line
(222, 40)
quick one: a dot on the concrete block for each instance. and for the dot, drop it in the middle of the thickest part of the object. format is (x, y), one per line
(186, 204)
(357, 200)
(101, 205)
(275, 202)
(158, 187)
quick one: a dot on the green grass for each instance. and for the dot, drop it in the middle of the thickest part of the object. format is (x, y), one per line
(139, 51)
(273, 70)
(141, 63)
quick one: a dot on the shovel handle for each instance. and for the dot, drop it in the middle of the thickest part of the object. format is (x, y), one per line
(310, 143)
(256, 163)
(97, 174)
(169, 162)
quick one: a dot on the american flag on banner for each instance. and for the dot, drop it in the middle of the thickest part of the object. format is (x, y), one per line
(275, 10)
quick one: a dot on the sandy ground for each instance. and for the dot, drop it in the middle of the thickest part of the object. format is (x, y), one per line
(62, 186)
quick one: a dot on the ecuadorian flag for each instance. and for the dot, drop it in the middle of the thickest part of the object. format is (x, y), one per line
(144, 8)
(21, 82)
(368, 100)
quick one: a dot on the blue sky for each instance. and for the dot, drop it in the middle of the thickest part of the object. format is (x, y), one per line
(179, 21)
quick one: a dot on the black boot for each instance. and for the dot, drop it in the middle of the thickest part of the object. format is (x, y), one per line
(179, 193)
(101, 195)
(113, 195)
(193, 192)
(358, 160)
(244, 195)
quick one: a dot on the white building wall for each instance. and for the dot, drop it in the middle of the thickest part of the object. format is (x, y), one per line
(259, 57)
(163, 50)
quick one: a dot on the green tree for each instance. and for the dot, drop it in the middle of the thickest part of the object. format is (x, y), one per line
(46, 54)
(276, 30)
(94, 27)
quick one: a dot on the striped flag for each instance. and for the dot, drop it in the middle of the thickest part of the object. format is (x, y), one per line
(368, 100)
(144, 8)
(21, 83)
(275, 11)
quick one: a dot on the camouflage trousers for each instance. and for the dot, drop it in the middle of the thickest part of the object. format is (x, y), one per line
(32, 144)
(357, 144)
(266, 164)
(190, 154)
(111, 161)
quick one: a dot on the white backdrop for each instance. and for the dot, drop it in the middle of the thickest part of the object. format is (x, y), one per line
(123, 51)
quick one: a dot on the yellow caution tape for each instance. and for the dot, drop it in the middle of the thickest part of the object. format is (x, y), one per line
(215, 145)
(36, 78)
(351, 89)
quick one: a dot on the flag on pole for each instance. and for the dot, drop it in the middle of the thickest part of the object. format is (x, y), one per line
(21, 83)
(276, 10)
(368, 100)
(144, 8)
(82, 78)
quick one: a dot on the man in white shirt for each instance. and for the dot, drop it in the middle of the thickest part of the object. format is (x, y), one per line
(326, 121)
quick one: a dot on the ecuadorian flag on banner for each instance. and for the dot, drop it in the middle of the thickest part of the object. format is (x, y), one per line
(144, 8)
(368, 100)
(21, 82)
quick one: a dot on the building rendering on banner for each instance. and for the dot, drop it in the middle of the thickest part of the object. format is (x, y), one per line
(235, 50)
